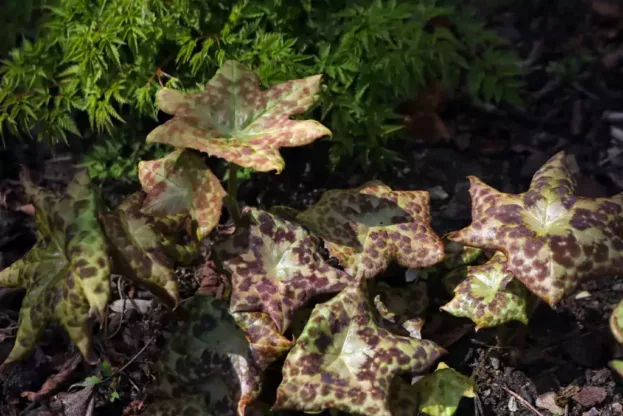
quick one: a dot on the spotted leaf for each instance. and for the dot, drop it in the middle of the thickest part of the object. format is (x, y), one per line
(402, 307)
(235, 120)
(552, 238)
(267, 343)
(439, 393)
(180, 182)
(616, 322)
(345, 360)
(275, 267)
(66, 274)
(367, 227)
(145, 248)
(211, 355)
(490, 295)
(403, 399)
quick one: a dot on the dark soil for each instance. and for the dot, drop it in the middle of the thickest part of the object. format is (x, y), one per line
(562, 351)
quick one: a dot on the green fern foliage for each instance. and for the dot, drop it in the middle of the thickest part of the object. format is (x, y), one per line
(91, 65)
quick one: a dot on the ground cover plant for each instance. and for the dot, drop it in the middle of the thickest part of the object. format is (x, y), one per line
(362, 350)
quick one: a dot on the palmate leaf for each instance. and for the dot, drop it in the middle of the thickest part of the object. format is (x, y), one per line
(367, 227)
(235, 120)
(403, 307)
(275, 267)
(66, 273)
(219, 356)
(436, 394)
(490, 295)
(552, 239)
(145, 248)
(345, 360)
(181, 182)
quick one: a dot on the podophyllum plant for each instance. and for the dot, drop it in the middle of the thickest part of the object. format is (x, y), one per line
(359, 352)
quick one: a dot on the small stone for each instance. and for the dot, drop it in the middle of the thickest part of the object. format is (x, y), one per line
(617, 407)
(583, 294)
(590, 396)
(512, 404)
(495, 363)
(547, 401)
(592, 412)
(618, 287)
(437, 193)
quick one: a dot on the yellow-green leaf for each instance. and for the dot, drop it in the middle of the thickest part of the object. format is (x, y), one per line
(66, 274)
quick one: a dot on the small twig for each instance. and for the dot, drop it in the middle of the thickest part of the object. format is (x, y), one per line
(523, 401)
(586, 92)
(120, 291)
(133, 358)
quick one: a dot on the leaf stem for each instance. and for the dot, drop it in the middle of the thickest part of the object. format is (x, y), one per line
(232, 192)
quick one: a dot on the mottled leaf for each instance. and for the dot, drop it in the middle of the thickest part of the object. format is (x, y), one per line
(345, 360)
(490, 295)
(616, 322)
(275, 267)
(267, 343)
(235, 120)
(403, 399)
(404, 307)
(552, 238)
(439, 393)
(210, 354)
(368, 227)
(181, 182)
(66, 273)
(145, 248)
(458, 255)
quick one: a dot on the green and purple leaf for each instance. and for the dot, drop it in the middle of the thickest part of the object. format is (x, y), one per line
(66, 274)
(275, 267)
(145, 248)
(211, 354)
(368, 227)
(233, 119)
(490, 295)
(267, 343)
(439, 393)
(403, 307)
(178, 183)
(346, 360)
(552, 238)
(436, 394)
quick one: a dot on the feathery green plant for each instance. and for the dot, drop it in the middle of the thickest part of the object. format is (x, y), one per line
(92, 65)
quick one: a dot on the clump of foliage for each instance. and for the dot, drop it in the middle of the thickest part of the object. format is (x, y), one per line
(66, 274)
(103, 61)
(356, 347)
(551, 238)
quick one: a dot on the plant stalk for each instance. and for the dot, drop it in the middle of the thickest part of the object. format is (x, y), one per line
(232, 192)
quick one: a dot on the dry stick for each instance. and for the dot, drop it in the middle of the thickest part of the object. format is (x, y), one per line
(120, 291)
(523, 401)
(133, 358)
